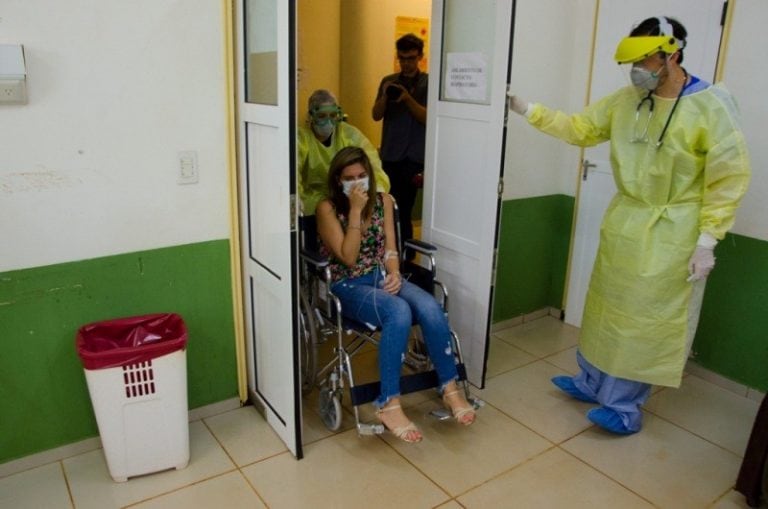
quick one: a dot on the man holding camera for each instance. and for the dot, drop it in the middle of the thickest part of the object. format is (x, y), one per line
(402, 102)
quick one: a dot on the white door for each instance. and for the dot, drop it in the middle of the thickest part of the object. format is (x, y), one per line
(463, 160)
(267, 186)
(701, 19)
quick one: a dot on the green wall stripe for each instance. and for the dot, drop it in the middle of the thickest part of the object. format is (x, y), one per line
(44, 400)
(533, 253)
(732, 338)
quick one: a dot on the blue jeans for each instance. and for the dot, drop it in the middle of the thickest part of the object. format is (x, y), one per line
(623, 396)
(363, 300)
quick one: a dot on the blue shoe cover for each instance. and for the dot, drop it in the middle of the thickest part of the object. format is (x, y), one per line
(609, 420)
(565, 384)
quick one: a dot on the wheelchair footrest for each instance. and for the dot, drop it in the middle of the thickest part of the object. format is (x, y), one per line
(365, 393)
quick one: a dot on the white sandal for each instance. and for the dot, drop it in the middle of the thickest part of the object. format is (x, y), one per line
(400, 432)
(459, 413)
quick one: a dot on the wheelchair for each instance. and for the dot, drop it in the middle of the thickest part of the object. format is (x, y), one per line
(321, 320)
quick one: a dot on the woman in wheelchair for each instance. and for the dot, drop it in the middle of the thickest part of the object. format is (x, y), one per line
(356, 226)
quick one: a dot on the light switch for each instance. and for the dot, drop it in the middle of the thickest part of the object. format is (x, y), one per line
(13, 74)
(188, 173)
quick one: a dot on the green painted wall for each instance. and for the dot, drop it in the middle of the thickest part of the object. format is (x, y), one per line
(732, 338)
(44, 400)
(533, 255)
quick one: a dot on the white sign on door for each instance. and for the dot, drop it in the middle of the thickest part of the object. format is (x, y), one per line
(466, 77)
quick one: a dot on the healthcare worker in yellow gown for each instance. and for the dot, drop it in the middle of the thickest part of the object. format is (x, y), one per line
(681, 166)
(325, 134)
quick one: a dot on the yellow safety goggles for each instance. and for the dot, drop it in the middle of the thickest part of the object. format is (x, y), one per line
(635, 49)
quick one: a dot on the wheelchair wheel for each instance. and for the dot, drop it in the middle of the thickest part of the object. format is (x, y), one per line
(330, 408)
(307, 345)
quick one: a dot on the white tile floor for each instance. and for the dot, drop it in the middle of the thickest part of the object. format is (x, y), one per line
(530, 447)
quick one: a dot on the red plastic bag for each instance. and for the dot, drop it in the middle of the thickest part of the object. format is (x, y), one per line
(125, 341)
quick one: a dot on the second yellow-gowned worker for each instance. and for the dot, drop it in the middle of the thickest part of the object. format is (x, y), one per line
(324, 135)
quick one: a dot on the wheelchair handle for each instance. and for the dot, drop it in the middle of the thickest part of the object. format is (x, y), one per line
(420, 246)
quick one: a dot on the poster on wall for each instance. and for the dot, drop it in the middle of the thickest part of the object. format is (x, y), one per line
(418, 27)
(465, 77)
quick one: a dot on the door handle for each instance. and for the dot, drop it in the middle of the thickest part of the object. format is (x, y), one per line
(585, 166)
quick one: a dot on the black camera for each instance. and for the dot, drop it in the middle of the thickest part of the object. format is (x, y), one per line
(393, 92)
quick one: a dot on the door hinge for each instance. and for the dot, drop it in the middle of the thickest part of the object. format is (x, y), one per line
(500, 188)
(585, 166)
(507, 100)
(495, 261)
(293, 213)
(724, 14)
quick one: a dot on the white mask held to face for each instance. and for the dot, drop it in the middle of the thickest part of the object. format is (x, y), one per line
(347, 185)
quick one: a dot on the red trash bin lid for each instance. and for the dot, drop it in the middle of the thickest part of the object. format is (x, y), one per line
(124, 341)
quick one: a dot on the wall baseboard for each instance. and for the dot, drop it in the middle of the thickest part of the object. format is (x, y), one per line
(90, 444)
(691, 367)
(533, 315)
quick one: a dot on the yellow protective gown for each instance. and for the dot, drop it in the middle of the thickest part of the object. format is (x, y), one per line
(636, 318)
(315, 159)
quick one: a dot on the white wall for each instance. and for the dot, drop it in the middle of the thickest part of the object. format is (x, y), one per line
(367, 54)
(550, 64)
(745, 75)
(89, 167)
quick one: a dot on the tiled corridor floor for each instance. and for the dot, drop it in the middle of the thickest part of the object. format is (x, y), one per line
(530, 447)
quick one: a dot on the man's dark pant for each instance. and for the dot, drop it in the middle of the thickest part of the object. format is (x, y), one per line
(404, 190)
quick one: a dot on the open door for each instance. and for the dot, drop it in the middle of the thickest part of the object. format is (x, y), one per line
(267, 187)
(463, 160)
(702, 20)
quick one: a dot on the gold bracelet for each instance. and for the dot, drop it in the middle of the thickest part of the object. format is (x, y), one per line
(350, 227)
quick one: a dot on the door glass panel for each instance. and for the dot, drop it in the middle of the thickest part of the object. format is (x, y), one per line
(260, 51)
(467, 67)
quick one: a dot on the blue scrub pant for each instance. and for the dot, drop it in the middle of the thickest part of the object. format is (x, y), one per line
(623, 396)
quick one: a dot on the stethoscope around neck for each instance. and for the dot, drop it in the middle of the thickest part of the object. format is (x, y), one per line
(642, 137)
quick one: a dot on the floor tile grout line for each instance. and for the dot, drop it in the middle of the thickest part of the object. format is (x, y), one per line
(604, 474)
(725, 494)
(508, 470)
(234, 462)
(178, 488)
(536, 355)
(679, 426)
(521, 423)
(450, 496)
(223, 448)
(66, 482)
(250, 484)
(455, 497)
(534, 361)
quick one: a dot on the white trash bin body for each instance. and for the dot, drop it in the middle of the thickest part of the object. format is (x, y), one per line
(140, 407)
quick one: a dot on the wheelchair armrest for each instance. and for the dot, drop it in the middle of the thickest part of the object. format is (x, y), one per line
(420, 246)
(314, 258)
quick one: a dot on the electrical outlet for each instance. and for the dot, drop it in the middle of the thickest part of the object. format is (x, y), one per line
(13, 92)
(188, 167)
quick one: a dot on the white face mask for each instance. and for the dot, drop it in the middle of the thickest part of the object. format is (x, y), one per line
(347, 185)
(643, 78)
(323, 130)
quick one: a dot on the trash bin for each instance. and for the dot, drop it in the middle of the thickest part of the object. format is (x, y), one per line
(137, 378)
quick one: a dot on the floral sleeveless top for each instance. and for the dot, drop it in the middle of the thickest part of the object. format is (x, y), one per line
(371, 246)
